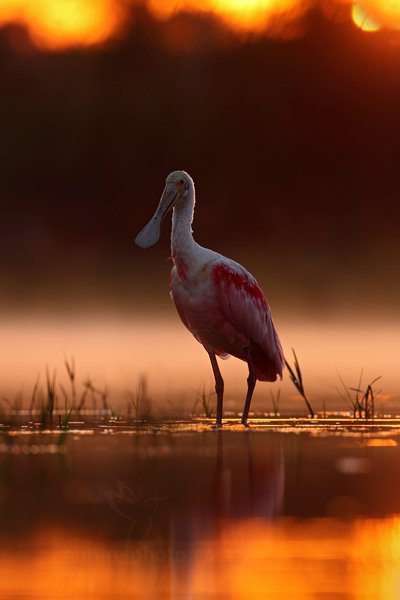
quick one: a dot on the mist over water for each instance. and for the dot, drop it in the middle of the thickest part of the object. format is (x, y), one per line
(116, 351)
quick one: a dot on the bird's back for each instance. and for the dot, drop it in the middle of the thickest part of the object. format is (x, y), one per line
(246, 307)
(223, 306)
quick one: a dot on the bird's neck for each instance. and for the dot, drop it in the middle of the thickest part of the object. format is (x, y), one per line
(182, 242)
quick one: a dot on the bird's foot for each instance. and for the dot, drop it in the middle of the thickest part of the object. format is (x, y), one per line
(245, 423)
(217, 425)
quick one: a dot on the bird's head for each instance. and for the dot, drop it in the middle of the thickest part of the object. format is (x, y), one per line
(177, 188)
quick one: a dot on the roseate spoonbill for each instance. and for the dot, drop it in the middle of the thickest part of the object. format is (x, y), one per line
(217, 299)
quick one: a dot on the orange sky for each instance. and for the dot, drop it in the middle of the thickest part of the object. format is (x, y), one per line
(59, 24)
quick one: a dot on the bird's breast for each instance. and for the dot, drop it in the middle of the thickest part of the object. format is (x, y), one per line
(192, 288)
(189, 275)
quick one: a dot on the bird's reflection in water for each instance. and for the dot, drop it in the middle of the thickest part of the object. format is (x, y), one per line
(243, 485)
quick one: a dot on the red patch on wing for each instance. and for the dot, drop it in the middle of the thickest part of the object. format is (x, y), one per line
(227, 277)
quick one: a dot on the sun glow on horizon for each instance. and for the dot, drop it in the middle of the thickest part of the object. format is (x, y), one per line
(61, 24)
(244, 15)
(362, 19)
(376, 14)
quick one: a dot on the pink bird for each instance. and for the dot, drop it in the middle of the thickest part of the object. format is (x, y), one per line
(217, 299)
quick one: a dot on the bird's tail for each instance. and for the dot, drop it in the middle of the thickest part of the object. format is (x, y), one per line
(266, 368)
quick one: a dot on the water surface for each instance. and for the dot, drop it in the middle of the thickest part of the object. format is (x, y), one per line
(191, 512)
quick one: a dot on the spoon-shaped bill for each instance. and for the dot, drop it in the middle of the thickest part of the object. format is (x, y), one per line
(150, 234)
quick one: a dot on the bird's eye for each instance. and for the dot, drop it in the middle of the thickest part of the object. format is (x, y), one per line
(181, 186)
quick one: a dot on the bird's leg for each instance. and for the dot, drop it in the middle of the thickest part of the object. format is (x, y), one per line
(219, 387)
(251, 384)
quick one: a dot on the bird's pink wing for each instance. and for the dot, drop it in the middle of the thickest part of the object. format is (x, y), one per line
(246, 308)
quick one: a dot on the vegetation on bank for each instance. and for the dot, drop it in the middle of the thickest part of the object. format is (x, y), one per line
(63, 399)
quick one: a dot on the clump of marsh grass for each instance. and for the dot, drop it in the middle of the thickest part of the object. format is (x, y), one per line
(73, 403)
(203, 398)
(45, 399)
(49, 399)
(362, 401)
(71, 372)
(96, 393)
(205, 402)
(297, 379)
(34, 395)
(68, 400)
(140, 401)
(275, 401)
(46, 418)
(14, 405)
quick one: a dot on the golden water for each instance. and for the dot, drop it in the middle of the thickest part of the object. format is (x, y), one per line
(184, 511)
